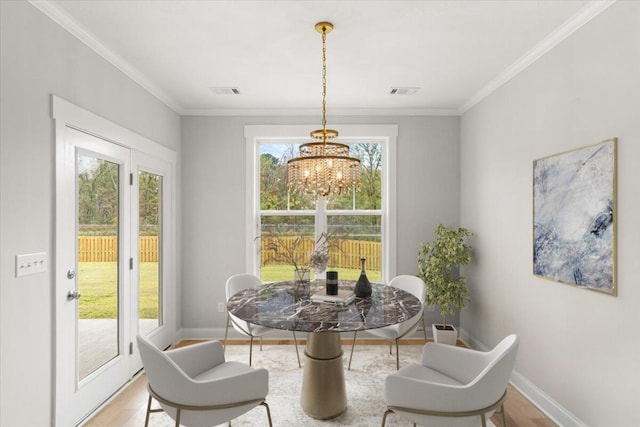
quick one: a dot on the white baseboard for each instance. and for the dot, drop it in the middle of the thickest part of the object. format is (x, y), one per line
(544, 402)
(549, 406)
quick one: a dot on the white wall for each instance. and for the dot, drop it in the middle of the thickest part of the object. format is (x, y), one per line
(214, 201)
(580, 347)
(39, 58)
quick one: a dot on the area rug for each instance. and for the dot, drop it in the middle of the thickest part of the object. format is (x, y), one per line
(364, 386)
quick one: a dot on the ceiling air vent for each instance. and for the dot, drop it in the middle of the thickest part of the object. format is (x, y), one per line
(225, 90)
(403, 90)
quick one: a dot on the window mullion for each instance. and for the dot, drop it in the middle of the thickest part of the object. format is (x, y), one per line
(320, 217)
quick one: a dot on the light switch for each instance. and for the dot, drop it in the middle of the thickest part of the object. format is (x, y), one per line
(31, 264)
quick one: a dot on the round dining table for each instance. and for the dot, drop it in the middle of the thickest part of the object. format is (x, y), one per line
(290, 306)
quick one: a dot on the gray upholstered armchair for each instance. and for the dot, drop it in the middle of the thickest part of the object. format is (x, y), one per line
(196, 387)
(452, 386)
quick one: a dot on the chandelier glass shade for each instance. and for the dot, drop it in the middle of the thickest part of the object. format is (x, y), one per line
(323, 167)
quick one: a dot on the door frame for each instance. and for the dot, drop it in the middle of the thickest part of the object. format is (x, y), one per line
(67, 115)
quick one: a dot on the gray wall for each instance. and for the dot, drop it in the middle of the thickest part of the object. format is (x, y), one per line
(579, 347)
(214, 200)
(39, 58)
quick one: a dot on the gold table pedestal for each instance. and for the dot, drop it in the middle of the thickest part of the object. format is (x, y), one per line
(323, 388)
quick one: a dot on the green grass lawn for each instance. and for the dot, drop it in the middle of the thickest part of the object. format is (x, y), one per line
(99, 291)
(276, 272)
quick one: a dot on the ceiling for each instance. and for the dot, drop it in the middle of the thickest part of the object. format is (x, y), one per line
(455, 52)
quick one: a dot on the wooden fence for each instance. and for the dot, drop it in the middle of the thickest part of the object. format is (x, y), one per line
(347, 255)
(105, 249)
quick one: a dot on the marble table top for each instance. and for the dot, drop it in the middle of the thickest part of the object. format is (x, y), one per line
(281, 305)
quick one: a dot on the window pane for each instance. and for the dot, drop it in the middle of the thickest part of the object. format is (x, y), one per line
(150, 256)
(98, 201)
(369, 196)
(360, 237)
(285, 240)
(274, 194)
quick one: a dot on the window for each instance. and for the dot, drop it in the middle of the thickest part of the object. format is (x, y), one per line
(361, 223)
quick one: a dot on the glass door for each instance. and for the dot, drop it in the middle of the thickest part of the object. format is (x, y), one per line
(151, 251)
(92, 271)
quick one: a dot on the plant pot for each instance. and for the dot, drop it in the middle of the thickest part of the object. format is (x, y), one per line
(445, 334)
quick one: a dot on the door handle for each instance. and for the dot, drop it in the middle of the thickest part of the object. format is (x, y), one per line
(71, 274)
(71, 295)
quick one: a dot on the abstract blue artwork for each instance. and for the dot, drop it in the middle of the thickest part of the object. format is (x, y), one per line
(574, 211)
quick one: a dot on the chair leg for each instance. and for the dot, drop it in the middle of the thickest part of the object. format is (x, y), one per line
(424, 328)
(390, 351)
(397, 356)
(384, 417)
(178, 413)
(260, 343)
(484, 420)
(146, 419)
(268, 412)
(353, 344)
(295, 342)
(504, 416)
(226, 332)
(250, 349)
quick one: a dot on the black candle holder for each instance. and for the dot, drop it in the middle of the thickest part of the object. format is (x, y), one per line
(332, 283)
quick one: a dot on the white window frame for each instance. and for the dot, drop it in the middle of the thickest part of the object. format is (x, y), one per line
(386, 135)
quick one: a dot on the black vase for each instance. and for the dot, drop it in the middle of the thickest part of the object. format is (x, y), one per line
(363, 286)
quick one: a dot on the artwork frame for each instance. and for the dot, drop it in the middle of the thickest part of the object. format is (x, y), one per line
(574, 217)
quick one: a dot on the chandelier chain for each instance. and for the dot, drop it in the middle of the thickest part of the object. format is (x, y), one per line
(324, 80)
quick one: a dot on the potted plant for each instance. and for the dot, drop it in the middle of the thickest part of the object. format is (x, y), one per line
(438, 264)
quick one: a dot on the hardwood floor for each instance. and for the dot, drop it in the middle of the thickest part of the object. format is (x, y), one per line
(127, 407)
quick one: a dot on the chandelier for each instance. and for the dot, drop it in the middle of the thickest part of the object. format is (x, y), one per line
(323, 167)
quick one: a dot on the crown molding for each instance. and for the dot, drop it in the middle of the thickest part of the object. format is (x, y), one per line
(446, 111)
(63, 19)
(573, 24)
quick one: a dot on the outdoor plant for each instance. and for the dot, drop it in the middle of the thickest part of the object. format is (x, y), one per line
(438, 264)
(286, 249)
(319, 258)
(283, 249)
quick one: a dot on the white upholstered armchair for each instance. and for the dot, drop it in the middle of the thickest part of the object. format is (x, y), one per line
(235, 284)
(453, 386)
(414, 285)
(196, 387)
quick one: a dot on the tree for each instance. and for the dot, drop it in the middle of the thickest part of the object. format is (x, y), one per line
(272, 193)
(370, 156)
(98, 192)
(149, 211)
